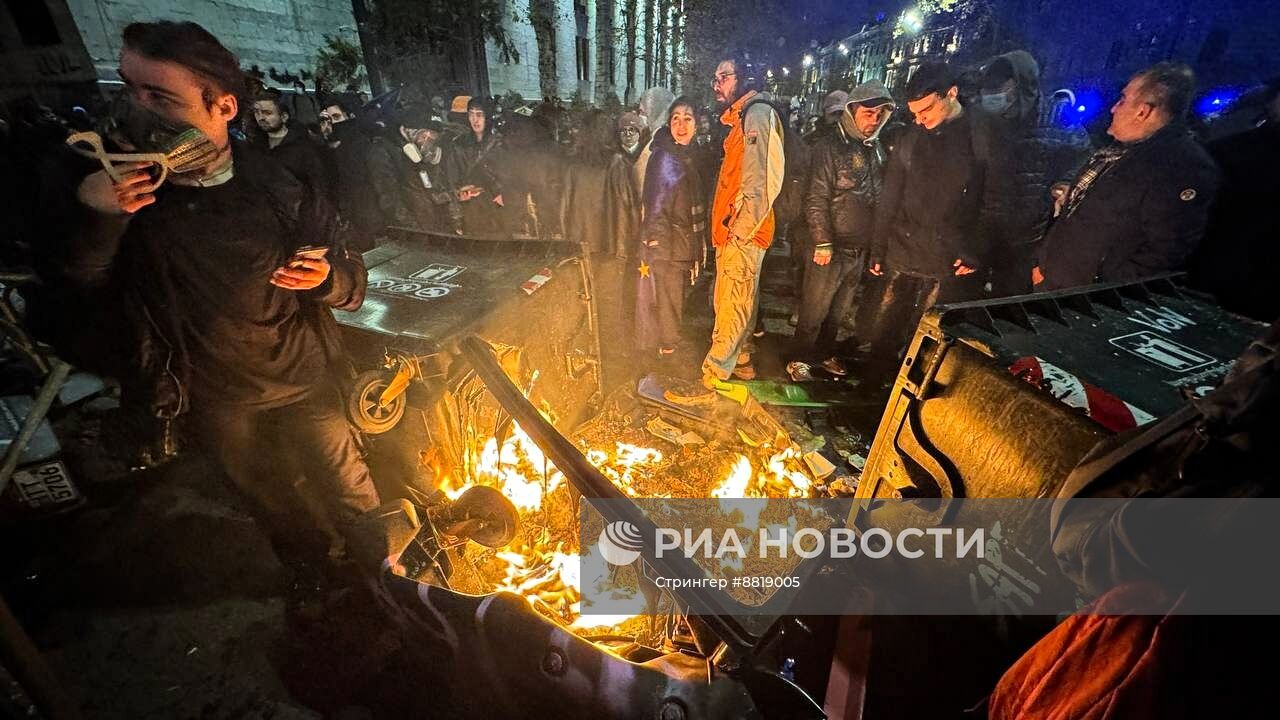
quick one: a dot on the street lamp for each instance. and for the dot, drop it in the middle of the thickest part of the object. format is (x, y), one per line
(806, 61)
(786, 71)
(912, 20)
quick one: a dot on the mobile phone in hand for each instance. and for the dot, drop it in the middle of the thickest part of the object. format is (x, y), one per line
(308, 252)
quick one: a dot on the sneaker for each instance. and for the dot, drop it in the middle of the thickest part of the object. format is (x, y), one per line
(693, 394)
(799, 372)
(835, 367)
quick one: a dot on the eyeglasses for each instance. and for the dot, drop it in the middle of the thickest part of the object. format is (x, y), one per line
(722, 78)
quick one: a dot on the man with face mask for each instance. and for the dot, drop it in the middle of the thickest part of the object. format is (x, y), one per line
(407, 174)
(1026, 160)
(844, 184)
(227, 323)
(631, 135)
(290, 146)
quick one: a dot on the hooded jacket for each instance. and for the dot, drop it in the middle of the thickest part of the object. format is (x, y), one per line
(673, 217)
(188, 280)
(846, 178)
(1026, 160)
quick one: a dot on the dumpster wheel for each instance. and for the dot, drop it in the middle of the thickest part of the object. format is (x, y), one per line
(364, 409)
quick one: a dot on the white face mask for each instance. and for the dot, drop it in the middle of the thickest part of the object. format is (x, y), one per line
(411, 151)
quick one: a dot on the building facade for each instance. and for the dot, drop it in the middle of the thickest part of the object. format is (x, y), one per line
(590, 49)
(42, 55)
(1086, 48)
(890, 49)
(279, 35)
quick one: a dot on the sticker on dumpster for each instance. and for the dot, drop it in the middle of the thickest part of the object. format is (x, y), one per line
(1162, 351)
(436, 273)
(408, 288)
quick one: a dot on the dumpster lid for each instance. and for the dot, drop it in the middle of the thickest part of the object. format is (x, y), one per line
(1149, 343)
(436, 290)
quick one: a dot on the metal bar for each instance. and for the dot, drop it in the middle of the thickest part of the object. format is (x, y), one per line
(44, 400)
(588, 480)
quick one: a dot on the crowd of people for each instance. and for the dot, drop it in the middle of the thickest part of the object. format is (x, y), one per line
(952, 189)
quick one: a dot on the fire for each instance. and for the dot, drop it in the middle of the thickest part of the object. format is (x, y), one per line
(549, 576)
(738, 482)
(778, 477)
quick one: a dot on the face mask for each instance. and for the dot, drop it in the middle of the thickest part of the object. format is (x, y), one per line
(173, 148)
(137, 129)
(411, 151)
(997, 103)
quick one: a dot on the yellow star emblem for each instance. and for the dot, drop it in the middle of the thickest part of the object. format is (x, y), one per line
(644, 270)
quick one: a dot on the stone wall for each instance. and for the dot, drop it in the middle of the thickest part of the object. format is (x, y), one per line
(280, 34)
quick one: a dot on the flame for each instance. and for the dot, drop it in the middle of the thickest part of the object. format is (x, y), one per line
(550, 578)
(735, 486)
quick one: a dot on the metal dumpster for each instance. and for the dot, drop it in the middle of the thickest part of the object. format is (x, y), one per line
(421, 405)
(1000, 398)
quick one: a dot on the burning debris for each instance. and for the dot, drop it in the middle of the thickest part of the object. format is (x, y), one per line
(542, 563)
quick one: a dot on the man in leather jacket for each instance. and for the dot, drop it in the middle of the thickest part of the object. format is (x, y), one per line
(844, 184)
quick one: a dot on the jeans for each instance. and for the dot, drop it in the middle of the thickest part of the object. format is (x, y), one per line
(827, 293)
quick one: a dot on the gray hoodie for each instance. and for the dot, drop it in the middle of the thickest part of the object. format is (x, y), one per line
(871, 93)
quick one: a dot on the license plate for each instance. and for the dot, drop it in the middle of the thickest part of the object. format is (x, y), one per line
(45, 486)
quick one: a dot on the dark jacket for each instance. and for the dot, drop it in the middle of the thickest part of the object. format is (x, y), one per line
(846, 176)
(674, 219)
(402, 196)
(304, 157)
(1143, 217)
(357, 200)
(468, 161)
(187, 279)
(932, 199)
(1026, 160)
(1238, 259)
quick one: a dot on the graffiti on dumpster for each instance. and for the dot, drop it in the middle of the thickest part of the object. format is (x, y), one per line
(429, 283)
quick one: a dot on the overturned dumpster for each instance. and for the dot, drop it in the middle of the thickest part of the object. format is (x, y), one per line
(969, 416)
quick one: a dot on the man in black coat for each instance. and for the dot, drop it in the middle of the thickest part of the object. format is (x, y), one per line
(406, 170)
(229, 325)
(1240, 253)
(291, 146)
(1140, 205)
(1027, 159)
(928, 239)
(844, 184)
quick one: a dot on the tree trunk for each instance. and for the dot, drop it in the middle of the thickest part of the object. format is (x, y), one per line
(368, 46)
(632, 92)
(604, 48)
(542, 16)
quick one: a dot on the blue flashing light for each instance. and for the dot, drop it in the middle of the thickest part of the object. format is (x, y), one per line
(1089, 103)
(1217, 100)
